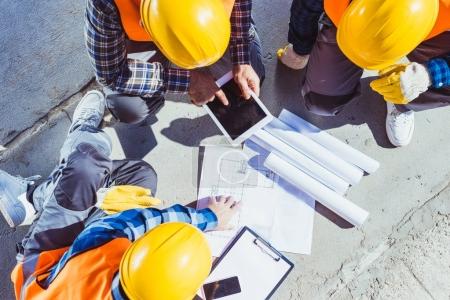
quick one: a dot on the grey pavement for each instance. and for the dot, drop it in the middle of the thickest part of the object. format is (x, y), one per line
(401, 252)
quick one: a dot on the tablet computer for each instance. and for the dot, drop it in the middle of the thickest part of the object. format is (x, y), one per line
(241, 118)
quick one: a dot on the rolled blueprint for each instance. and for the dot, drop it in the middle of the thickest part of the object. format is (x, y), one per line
(338, 204)
(336, 146)
(296, 158)
(314, 151)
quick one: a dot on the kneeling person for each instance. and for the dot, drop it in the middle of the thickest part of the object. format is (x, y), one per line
(74, 250)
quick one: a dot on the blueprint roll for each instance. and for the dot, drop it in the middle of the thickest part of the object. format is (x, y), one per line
(296, 158)
(315, 151)
(336, 203)
(336, 146)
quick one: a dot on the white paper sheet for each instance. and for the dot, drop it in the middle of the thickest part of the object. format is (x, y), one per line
(336, 146)
(315, 151)
(338, 204)
(304, 163)
(271, 207)
(257, 271)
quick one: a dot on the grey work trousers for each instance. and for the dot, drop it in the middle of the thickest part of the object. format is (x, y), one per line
(332, 80)
(134, 109)
(65, 201)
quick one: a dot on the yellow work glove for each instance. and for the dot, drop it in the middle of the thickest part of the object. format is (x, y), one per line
(122, 197)
(402, 83)
(291, 59)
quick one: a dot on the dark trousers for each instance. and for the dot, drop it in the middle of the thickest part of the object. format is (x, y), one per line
(332, 80)
(65, 201)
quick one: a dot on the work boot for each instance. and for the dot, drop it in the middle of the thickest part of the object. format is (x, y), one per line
(399, 125)
(13, 200)
(291, 59)
(89, 111)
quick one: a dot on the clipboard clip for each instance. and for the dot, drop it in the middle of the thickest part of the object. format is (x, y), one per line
(267, 249)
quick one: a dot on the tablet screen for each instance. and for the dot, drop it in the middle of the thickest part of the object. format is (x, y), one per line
(240, 114)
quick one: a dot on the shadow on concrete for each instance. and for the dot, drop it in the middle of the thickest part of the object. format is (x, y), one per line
(330, 215)
(136, 140)
(369, 108)
(190, 132)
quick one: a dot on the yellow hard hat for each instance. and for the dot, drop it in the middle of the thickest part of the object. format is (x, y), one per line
(375, 34)
(191, 34)
(169, 262)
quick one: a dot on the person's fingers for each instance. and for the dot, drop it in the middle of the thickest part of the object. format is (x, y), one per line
(222, 97)
(147, 201)
(236, 206)
(243, 85)
(255, 86)
(221, 199)
(141, 191)
(379, 83)
(385, 84)
(392, 69)
(229, 202)
(212, 200)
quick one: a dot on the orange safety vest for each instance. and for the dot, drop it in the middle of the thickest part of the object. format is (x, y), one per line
(85, 276)
(131, 18)
(336, 8)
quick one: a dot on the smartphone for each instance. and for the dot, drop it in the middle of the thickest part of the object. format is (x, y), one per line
(222, 288)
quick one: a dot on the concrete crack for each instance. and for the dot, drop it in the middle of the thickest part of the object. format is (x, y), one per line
(419, 281)
(41, 123)
(345, 278)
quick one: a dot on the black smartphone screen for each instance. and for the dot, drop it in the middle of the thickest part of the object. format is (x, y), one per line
(222, 288)
(240, 114)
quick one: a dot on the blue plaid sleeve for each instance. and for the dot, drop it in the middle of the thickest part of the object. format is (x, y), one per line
(439, 71)
(106, 46)
(132, 224)
(240, 26)
(303, 24)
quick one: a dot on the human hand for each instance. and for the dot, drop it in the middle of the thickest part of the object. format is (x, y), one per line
(291, 59)
(203, 88)
(247, 80)
(402, 83)
(123, 197)
(224, 208)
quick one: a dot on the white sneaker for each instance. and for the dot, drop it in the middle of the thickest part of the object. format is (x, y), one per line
(399, 126)
(291, 59)
(14, 205)
(89, 111)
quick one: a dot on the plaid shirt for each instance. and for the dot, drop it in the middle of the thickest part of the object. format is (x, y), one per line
(132, 224)
(105, 42)
(304, 24)
(439, 70)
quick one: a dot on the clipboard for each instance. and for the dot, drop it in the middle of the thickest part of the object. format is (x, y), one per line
(259, 267)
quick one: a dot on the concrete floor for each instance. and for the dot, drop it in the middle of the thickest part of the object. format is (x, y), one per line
(401, 252)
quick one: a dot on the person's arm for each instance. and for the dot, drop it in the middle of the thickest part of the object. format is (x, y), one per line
(439, 70)
(303, 25)
(240, 25)
(402, 83)
(132, 224)
(105, 42)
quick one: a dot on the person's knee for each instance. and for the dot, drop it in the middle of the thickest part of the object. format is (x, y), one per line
(324, 105)
(83, 174)
(133, 109)
(148, 175)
